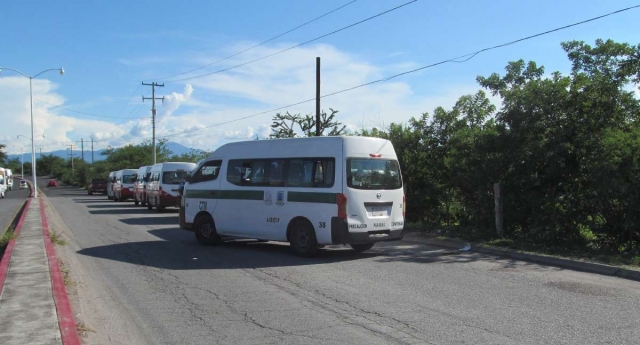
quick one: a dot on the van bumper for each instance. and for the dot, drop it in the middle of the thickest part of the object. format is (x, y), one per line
(340, 234)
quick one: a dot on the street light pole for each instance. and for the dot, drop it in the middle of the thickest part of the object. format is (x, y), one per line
(33, 147)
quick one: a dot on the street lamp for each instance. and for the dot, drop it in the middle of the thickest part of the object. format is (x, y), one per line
(22, 154)
(33, 147)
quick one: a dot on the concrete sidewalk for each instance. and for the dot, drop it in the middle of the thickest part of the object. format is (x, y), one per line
(32, 309)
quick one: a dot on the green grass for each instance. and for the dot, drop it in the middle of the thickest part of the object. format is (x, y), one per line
(7, 236)
(587, 253)
(56, 238)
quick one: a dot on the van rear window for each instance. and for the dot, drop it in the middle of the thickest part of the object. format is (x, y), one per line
(173, 177)
(368, 173)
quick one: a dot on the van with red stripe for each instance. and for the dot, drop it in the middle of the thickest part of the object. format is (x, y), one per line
(310, 192)
(164, 181)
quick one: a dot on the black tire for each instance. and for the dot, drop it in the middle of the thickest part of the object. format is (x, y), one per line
(143, 201)
(159, 208)
(135, 201)
(205, 231)
(90, 192)
(303, 239)
(149, 206)
(362, 247)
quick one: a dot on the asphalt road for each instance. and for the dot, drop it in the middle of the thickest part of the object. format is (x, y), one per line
(178, 292)
(11, 204)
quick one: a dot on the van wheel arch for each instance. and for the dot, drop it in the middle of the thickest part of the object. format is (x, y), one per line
(293, 221)
(215, 238)
(302, 237)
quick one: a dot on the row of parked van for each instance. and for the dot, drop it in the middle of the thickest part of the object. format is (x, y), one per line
(155, 186)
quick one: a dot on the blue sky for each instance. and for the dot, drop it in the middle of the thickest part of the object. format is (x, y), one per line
(108, 48)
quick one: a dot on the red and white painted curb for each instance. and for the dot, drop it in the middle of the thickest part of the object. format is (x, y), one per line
(63, 307)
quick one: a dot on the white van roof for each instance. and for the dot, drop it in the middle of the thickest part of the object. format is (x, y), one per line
(188, 166)
(311, 147)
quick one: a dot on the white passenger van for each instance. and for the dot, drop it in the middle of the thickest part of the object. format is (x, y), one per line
(110, 181)
(164, 181)
(3, 183)
(309, 192)
(141, 184)
(9, 174)
(123, 185)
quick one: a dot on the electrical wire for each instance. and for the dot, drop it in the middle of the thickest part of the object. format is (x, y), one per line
(292, 47)
(77, 111)
(464, 58)
(261, 43)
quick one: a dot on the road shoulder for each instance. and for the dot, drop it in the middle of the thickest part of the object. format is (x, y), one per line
(578, 265)
(96, 310)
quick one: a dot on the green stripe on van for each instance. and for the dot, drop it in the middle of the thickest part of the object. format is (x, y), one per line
(324, 198)
(225, 194)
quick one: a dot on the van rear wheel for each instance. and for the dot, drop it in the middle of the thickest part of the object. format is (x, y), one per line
(205, 231)
(303, 239)
(363, 247)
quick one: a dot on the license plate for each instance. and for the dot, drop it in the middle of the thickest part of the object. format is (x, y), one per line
(378, 212)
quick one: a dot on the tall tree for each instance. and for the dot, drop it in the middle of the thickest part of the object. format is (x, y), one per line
(294, 125)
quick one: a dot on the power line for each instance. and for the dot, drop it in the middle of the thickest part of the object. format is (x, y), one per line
(261, 43)
(129, 100)
(466, 58)
(77, 111)
(293, 47)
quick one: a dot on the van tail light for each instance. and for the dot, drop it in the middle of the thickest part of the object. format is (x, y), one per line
(404, 205)
(341, 200)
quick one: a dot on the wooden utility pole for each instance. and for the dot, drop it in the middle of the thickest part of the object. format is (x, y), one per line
(153, 112)
(318, 132)
(81, 146)
(71, 154)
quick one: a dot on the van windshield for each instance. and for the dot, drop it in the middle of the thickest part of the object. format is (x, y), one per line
(173, 177)
(128, 178)
(366, 173)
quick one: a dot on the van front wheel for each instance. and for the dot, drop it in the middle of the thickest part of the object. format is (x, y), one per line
(362, 247)
(303, 239)
(205, 231)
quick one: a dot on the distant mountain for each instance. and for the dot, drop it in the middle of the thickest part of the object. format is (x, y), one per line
(175, 148)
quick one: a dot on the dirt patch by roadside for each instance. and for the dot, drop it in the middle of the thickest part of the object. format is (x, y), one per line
(97, 316)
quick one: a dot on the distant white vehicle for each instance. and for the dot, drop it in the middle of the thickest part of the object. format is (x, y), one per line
(164, 182)
(3, 182)
(123, 185)
(23, 184)
(9, 178)
(110, 181)
(309, 192)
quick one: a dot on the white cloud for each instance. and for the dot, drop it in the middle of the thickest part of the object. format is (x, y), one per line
(206, 115)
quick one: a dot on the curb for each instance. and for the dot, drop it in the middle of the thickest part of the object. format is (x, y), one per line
(65, 316)
(589, 267)
(6, 258)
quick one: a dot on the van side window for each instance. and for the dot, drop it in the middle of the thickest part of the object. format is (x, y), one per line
(295, 172)
(276, 168)
(209, 171)
(310, 172)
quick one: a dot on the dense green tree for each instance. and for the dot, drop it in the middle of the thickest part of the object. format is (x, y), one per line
(3, 155)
